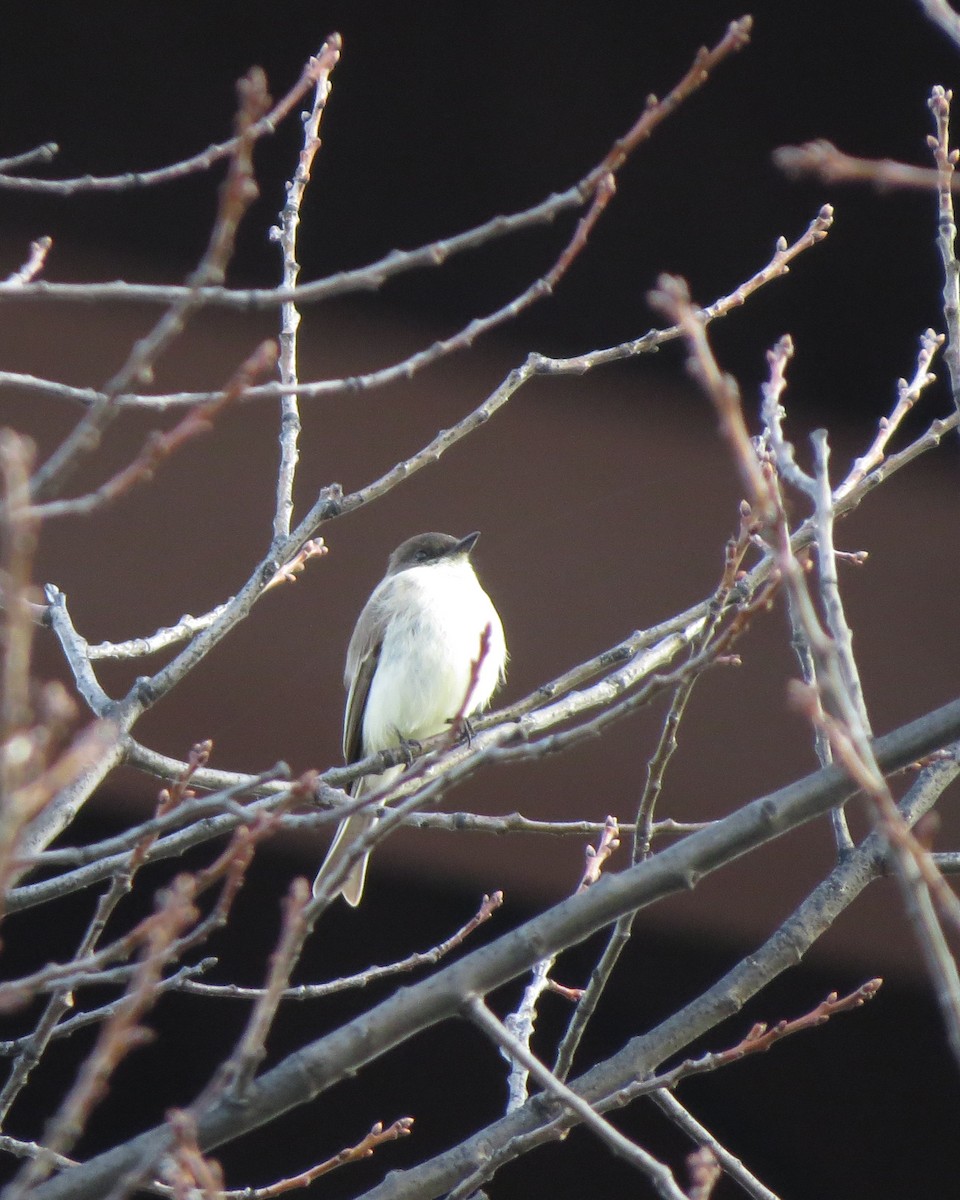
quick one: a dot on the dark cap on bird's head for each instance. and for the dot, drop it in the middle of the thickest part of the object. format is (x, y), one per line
(426, 548)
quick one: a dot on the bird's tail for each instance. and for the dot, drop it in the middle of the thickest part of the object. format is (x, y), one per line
(350, 831)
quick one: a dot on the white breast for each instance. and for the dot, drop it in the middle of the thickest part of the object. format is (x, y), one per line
(424, 673)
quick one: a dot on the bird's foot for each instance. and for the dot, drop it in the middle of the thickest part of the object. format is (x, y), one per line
(462, 727)
(410, 748)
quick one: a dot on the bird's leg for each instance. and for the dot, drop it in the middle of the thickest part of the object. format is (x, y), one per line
(409, 748)
(461, 727)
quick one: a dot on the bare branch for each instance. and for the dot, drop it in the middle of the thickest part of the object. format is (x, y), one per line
(658, 1175)
(160, 446)
(34, 264)
(377, 1136)
(236, 195)
(762, 1037)
(170, 635)
(38, 155)
(940, 12)
(943, 16)
(264, 126)
(776, 267)
(908, 393)
(316, 991)
(316, 1067)
(286, 235)
(731, 1165)
(825, 162)
(946, 160)
(119, 1035)
(237, 1071)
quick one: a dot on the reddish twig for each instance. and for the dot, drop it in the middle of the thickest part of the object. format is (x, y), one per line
(237, 193)
(825, 162)
(872, 783)
(573, 994)
(704, 1172)
(377, 1136)
(265, 125)
(32, 1048)
(761, 1038)
(736, 37)
(239, 1069)
(171, 798)
(227, 869)
(460, 722)
(288, 573)
(19, 529)
(777, 266)
(160, 446)
(91, 746)
(187, 1171)
(375, 274)
(121, 1034)
(608, 842)
(672, 297)
(603, 193)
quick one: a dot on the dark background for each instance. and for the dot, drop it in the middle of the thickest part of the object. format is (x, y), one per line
(604, 504)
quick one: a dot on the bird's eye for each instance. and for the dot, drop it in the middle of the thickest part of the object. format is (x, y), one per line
(423, 555)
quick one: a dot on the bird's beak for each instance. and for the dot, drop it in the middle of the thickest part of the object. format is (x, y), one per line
(465, 545)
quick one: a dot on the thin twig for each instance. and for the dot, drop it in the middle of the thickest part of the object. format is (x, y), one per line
(170, 635)
(762, 1037)
(38, 155)
(363, 1149)
(32, 1048)
(317, 991)
(94, 1016)
(187, 1171)
(118, 1036)
(908, 393)
(286, 235)
(776, 267)
(658, 1175)
(510, 1137)
(731, 1165)
(263, 127)
(35, 263)
(940, 12)
(160, 446)
(817, 490)
(316, 1067)
(329, 505)
(644, 827)
(946, 160)
(238, 1070)
(656, 111)
(822, 160)
(236, 195)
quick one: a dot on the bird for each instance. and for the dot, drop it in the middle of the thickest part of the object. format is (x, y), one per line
(427, 648)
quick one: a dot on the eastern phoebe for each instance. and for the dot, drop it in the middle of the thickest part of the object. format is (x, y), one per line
(410, 663)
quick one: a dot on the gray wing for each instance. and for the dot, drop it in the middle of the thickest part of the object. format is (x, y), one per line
(356, 704)
(363, 655)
